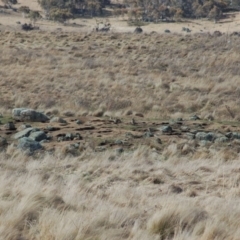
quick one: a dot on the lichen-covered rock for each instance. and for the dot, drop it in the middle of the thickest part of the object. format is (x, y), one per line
(24, 133)
(24, 114)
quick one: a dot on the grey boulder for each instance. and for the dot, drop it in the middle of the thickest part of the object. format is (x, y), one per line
(29, 145)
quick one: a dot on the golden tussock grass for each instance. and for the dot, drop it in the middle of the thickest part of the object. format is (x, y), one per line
(134, 196)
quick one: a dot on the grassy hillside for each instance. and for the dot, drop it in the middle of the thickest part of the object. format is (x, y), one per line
(162, 76)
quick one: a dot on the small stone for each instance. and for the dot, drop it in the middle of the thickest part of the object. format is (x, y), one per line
(69, 136)
(194, 118)
(158, 140)
(128, 113)
(119, 150)
(78, 136)
(117, 121)
(111, 158)
(139, 115)
(79, 122)
(60, 139)
(98, 113)
(58, 120)
(166, 129)
(148, 134)
(118, 142)
(184, 128)
(138, 30)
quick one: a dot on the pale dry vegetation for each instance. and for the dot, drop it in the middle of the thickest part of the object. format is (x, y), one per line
(159, 75)
(186, 192)
(138, 195)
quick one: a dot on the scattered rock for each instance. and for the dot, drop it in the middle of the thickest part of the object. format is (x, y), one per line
(69, 137)
(167, 31)
(158, 140)
(175, 189)
(217, 34)
(184, 128)
(29, 145)
(98, 113)
(221, 139)
(58, 119)
(69, 114)
(138, 30)
(117, 121)
(79, 122)
(128, 113)
(194, 118)
(190, 136)
(118, 142)
(3, 141)
(166, 129)
(139, 115)
(23, 114)
(119, 151)
(10, 126)
(27, 27)
(205, 136)
(148, 134)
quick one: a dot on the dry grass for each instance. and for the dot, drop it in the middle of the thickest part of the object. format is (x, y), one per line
(161, 76)
(136, 196)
